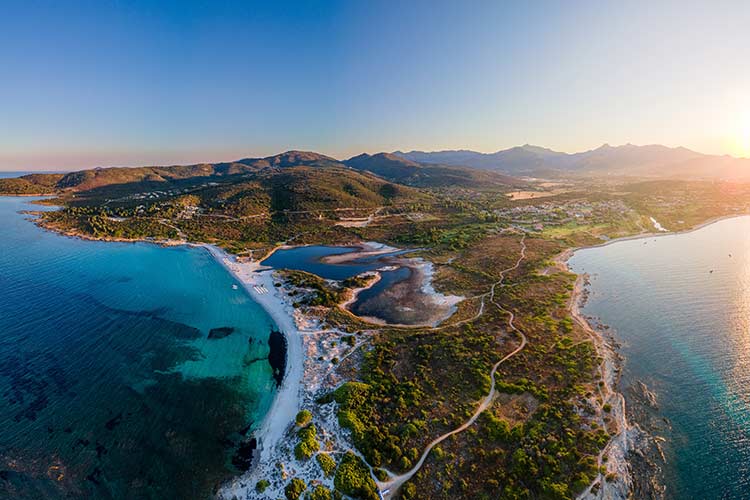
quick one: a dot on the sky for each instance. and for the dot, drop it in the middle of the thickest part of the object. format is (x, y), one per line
(115, 82)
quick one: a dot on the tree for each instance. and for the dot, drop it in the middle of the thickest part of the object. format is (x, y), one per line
(321, 493)
(353, 478)
(294, 489)
(303, 418)
(327, 463)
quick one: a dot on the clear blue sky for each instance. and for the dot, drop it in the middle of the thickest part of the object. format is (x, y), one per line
(143, 82)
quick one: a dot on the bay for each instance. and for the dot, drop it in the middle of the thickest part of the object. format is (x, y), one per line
(110, 384)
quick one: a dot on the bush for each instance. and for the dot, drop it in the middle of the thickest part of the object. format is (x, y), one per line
(261, 485)
(303, 418)
(353, 478)
(409, 491)
(308, 445)
(380, 474)
(294, 489)
(327, 463)
(321, 493)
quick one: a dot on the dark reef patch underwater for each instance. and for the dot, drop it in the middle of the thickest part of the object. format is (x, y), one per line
(110, 386)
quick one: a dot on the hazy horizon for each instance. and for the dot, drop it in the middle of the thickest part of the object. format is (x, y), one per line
(240, 157)
(136, 83)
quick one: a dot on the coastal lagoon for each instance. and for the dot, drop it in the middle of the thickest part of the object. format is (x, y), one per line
(680, 307)
(311, 259)
(398, 297)
(113, 383)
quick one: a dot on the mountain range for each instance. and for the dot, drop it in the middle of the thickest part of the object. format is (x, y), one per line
(647, 161)
(419, 169)
(288, 167)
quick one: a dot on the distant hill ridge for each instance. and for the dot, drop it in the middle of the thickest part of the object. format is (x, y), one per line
(383, 165)
(404, 171)
(455, 168)
(652, 160)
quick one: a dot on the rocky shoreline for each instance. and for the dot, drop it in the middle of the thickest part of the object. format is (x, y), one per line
(632, 456)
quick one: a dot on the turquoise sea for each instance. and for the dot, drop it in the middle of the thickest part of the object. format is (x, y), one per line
(110, 384)
(680, 307)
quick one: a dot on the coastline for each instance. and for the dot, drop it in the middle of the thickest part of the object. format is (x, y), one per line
(567, 253)
(617, 482)
(623, 449)
(287, 400)
(249, 274)
(289, 397)
(630, 445)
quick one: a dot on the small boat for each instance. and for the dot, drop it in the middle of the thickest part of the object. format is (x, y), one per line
(234, 287)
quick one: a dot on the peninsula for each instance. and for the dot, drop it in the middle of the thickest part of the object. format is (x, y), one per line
(498, 387)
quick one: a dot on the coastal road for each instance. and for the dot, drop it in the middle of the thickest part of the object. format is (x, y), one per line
(391, 486)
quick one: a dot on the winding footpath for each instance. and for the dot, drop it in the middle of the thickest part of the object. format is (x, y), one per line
(390, 487)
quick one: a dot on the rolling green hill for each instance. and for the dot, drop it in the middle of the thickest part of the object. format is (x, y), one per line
(159, 177)
(291, 181)
(304, 188)
(353, 182)
(30, 184)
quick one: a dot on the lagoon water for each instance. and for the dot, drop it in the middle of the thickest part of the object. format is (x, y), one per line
(308, 259)
(680, 306)
(110, 385)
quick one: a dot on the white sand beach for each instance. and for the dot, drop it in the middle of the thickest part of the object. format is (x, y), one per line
(286, 404)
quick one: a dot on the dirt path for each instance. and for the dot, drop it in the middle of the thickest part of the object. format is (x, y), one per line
(390, 487)
(180, 234)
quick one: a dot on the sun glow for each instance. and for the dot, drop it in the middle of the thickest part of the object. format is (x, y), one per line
(741, 139)
(744, 145)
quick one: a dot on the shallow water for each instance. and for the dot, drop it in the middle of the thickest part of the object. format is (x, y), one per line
(680, 304)
(367, 303)
(109, 383)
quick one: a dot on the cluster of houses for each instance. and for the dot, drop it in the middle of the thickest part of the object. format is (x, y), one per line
(559, 213)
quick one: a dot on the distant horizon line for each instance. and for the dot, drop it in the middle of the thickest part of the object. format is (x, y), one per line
(55, 170)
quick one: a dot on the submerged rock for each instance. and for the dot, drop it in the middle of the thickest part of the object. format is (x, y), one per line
(220, 333)
(277, 355)
(243, 457)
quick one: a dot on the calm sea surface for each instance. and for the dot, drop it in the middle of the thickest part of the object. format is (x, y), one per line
(110, 385)
(680, 305)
